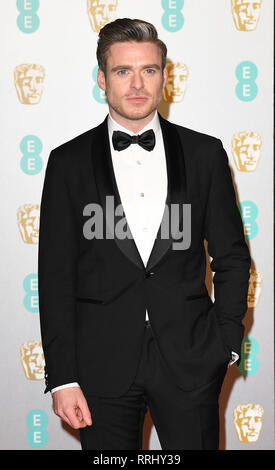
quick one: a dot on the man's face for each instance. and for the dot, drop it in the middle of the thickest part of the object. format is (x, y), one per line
(32, 225)
(176, 83)
(134, 79)
(250, 426)
(254, 289)
(31, 86)
(246, 13)
(28, 222)
(33, 360)
(101, 12)
(247, 152)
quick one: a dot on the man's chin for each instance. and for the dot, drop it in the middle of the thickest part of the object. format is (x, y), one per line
(137, 113)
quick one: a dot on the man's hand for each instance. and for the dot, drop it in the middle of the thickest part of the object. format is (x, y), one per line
(71, 406)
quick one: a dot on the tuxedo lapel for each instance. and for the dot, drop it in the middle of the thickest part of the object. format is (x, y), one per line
(107, 186)
(176, 192)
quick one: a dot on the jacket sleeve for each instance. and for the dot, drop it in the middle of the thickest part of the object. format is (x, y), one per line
(229, 252)
(57, 266)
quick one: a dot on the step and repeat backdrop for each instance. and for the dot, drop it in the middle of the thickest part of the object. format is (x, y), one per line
(220, 64)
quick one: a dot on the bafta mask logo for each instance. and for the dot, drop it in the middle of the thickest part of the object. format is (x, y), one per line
(175, 88)
(254, 289)
(248, 422)
(246, 150)
(101, 12)
(29, 81)
(32, 359)
(28, 222)
(246, 14)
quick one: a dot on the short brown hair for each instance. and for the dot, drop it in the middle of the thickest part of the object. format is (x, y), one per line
(123, 30)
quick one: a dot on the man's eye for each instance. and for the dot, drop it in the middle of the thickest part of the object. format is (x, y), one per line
(151, 71)
(121, 72)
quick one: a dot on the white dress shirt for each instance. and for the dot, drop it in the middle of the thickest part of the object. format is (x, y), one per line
(141, 178)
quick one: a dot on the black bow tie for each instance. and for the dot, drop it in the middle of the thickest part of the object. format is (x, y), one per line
(122, 140)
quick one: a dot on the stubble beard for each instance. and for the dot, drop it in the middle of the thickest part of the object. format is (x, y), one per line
(137, 113)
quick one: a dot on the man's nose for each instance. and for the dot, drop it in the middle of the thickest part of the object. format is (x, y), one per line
(176, 83)
(105, 13)
(252, 424)
(249, 11)
(33, 84)
(250, 152)
(137, 81)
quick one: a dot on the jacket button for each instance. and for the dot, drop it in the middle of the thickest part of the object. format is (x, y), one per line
(148, 274)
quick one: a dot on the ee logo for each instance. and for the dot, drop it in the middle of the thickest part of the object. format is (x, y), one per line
(30, 285)
(249, 362)
(98, 94)
(27, 20)
(172, 18)
(37, 421)
(249, 212)
(31, 162)
(246, 73)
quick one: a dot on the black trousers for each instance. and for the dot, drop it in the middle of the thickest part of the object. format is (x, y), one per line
(183, 420)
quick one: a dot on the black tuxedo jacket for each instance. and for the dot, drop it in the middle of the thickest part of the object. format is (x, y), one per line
(93, 293)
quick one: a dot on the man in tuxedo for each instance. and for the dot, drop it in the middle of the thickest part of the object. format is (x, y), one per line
(126, 319)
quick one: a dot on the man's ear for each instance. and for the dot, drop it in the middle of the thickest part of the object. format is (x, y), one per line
(101, 79)
(165, 77)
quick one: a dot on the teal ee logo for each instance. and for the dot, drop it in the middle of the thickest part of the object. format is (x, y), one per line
(31, 162)
(246, 73)
(249, 362)
(249, 212)
(30, 285)
(27, 20)
(172, 18)
(98, 94)
(37, 421)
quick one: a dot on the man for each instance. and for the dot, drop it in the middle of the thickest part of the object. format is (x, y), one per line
(126, 321)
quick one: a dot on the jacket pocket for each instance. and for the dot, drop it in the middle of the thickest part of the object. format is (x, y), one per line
(226, 348)
(197, 296)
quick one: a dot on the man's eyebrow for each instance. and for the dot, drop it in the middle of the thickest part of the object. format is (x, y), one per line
(147, 66)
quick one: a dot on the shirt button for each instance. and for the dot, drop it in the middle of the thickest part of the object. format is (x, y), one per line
(145, 229)
(138, 162)
(149, 274)
(142, 194)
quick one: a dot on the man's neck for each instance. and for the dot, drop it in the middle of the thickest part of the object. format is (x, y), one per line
(133, 125)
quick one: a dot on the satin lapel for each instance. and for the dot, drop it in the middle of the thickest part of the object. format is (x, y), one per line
(107, 186)
(176, 193)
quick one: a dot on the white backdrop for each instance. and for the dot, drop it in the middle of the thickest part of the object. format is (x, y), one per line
(222, 64)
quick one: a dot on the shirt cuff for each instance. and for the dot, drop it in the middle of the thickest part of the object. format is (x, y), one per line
(73, 384)
(235, 357)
